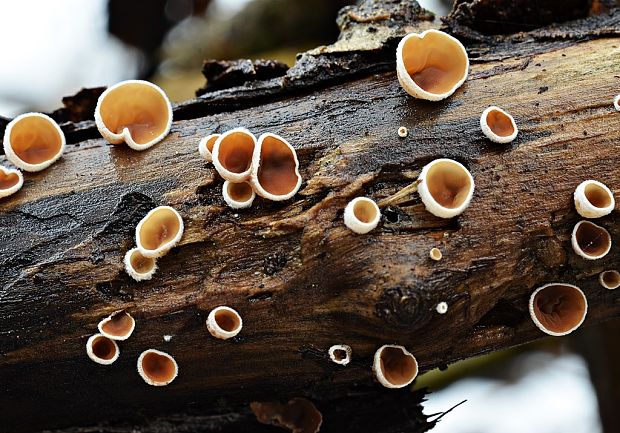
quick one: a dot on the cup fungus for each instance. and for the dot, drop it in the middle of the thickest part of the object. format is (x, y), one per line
(394, 366)
(117, 326)
(224, 322)
(435, 254)
(402, 132)
(11, 181)
(275, 168)
(135, 112)
(340, 354)
(238, 195)
(361, 215)
(298, 415)
(498, 125)
(159, 231)
(442, 308)
(590, 241)
(617, 102)
(593, 199)
(157, 368)
(205, 146)
(557, 308)
(232, 154)
(139, 267)
(431, 65)
(445, 187)
(609, 279)
(33, 141)
(102, 349)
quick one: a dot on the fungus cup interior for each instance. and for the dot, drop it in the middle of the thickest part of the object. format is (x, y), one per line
(559, 308)
(276, 172)
(119, 325)
(298, 415)
(611, 278)
(364, 211)
(592, 239)
(141, 264)
(159, 228)
(35, 139)
(436, 63)
(236, 150)
(340, 354)
(597, 195)
(448, 183)
(240, 192)
(103, 348)
(500, 123)
(227, 320)
(158, 368)
(398, 367)
(138, 107)
(8, 179)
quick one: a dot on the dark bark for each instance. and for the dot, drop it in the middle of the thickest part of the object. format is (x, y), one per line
(301, 281)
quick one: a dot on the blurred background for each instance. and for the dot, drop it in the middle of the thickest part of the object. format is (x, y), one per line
(547, 387)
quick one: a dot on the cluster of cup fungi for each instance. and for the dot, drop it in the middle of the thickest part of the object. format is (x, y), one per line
(430, 65)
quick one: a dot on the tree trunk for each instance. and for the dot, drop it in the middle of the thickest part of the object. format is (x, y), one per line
(299, 278)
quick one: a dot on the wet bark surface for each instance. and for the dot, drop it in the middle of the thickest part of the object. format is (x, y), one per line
(301, 281)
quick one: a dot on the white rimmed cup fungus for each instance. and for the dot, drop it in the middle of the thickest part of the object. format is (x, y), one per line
(498, 125)
(102, 349)
(394, 366)
(238, 195)
(593, 199)
(139, 267)
(431, 65)
(558, 308)
(298, 415)
(205, 146)
(33, 141)
(117, 326)
(232, 154)
(442, 308)
(590, 241)
(361, 215)
(224, 323)
(435, 254)
(617, 102)
(136, 112)
(11, 181)
(609, 279)
(340, 354)
(403, 132)
(275, 168)
(157, 368)
(445, 187)
(159, 231)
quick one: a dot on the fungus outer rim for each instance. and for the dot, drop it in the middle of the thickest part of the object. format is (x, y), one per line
(225, 173)
(410, 86)
(376, 367)
(429, 201)
(346, 348)
(355, 224)
(205, 153)
(95, 358)
(234, 204)
(132, 272)
(542, 327)
(163, 249)
(116, 337)
(125, 136)
(215, 329)
(148, 379)
(13, 189)
(488, 132)
(577, 248)
(256, 157)
(604, 284)
(584, 207)
(20, 163)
